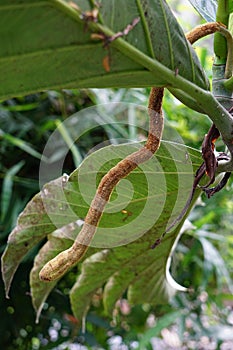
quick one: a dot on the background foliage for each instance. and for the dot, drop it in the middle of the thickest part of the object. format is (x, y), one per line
(202, 316)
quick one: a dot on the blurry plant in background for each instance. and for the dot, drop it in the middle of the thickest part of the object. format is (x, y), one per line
(199, 319)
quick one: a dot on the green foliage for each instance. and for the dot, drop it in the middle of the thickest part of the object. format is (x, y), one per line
(107, 279)
(220, 45)
(69, 58)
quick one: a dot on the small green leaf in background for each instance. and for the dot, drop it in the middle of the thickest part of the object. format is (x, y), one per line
(24, 146)
(214, 261)
(206, 8)
(69, 141)
(7, 187)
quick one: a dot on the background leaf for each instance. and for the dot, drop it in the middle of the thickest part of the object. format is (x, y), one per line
(7, 188)
(40, 291)
(206, 8)
(213, 260)
(21, 144)
(69, 58)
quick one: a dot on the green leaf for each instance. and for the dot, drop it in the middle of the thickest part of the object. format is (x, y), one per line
(69, 141)
(54, 49)
(25, 146)
(38, 219)
(40, 291)
(206, 8)
(7, 187)
(141, 208)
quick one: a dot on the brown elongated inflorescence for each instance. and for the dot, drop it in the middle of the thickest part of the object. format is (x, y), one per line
(68, 258)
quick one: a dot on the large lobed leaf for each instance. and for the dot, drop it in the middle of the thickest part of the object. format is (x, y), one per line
(120, 258)
(47, 45)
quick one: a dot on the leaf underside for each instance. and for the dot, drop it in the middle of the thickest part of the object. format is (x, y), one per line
(206, 8)
(53, 48)
(120, 258)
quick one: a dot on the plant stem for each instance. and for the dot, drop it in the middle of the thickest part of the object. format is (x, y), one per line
(229, 61)
(229, 84)
(220, 45)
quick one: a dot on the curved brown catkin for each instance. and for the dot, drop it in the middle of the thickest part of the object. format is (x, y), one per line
(56, 267)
